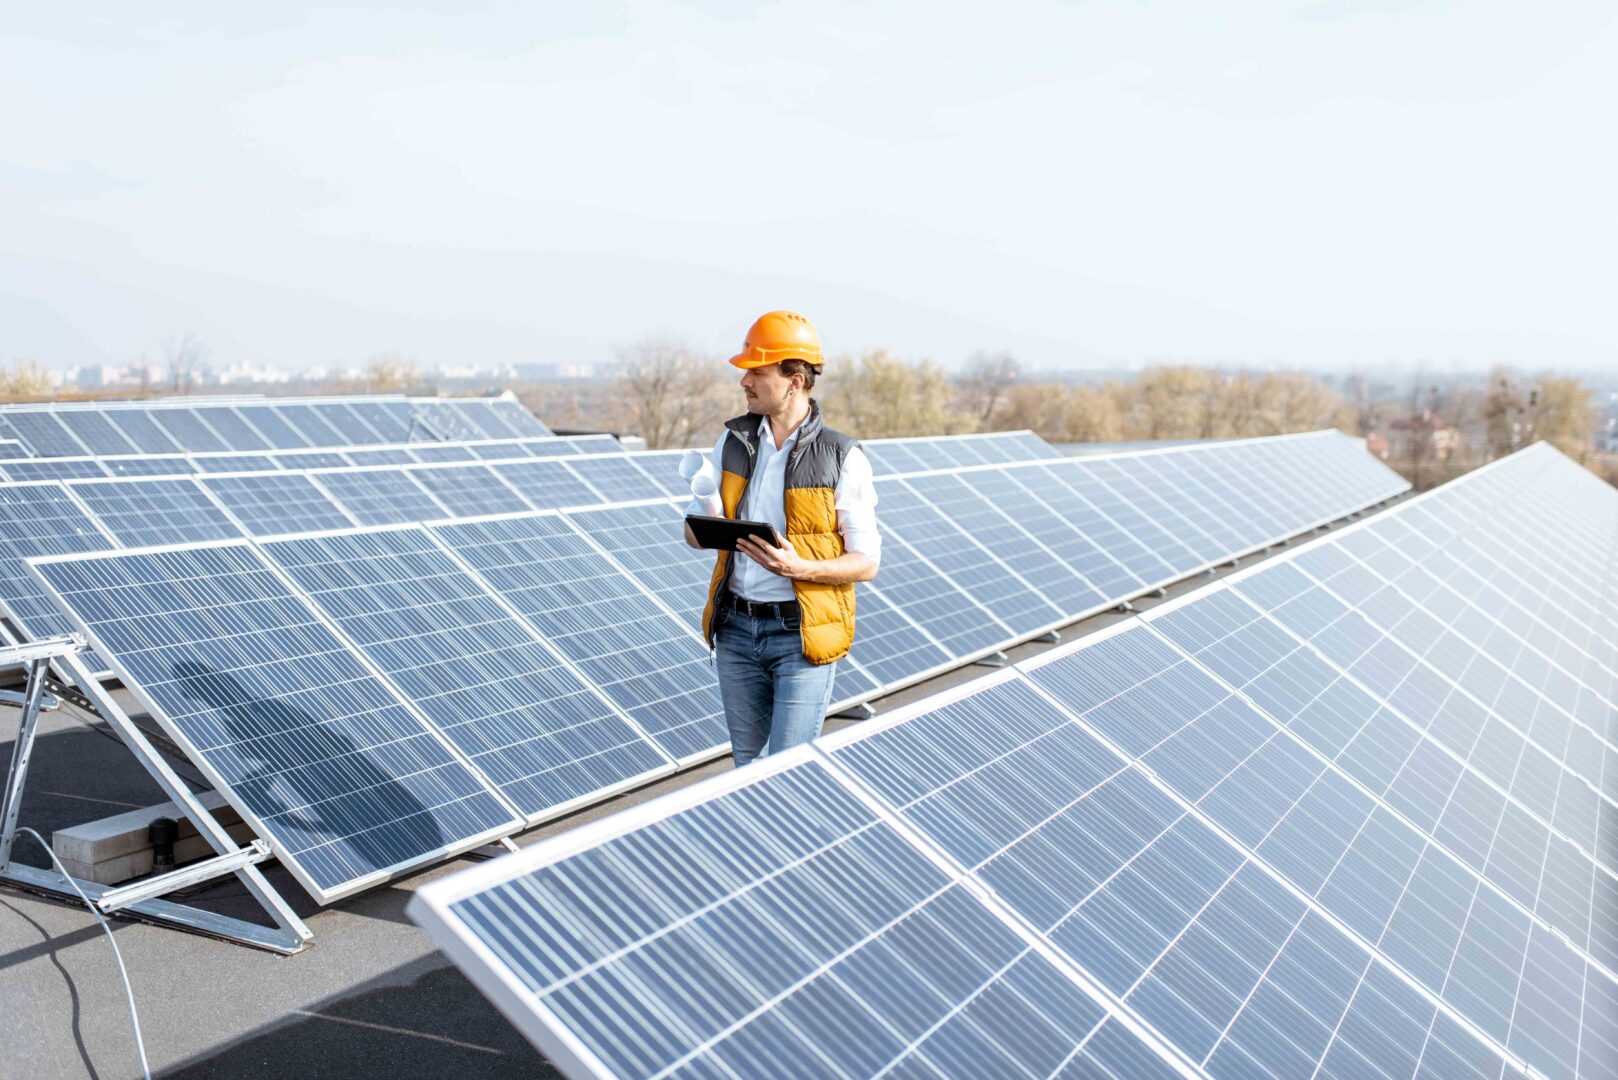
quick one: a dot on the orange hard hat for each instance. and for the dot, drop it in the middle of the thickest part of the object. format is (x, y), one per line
(778, 336)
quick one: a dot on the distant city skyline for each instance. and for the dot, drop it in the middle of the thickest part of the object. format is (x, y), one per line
(1331, 184)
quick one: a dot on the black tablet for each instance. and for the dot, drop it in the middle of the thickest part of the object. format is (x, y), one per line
(722, 533)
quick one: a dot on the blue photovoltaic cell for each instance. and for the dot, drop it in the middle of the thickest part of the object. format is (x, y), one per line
(189, 431)
(892, 457)
(533, 727)
(546, 484)
(518, 420)
(273, 427)
(450, 423)
(505, 450)
(593, 444)
(469, 490)
(95, 432)
(346, 422)
(146, 513)
(951, 617)
(44, 434)
(389, 419)
(617, 478)
(890, 647)
(649, 542)
(1067, 540)
(555, 447)
(993, 449)
(664, 469)
(481, 416)
(233, 463)
(166, 465)
(1144, 526)
(40, 519)
(228, 424)
(1150, 498)
(270, 503)
(138, 427)
(1090, 523)
(311, 459)
(379, 496)
(11, 448)
(311, 426)
(441, 453)
(319, 754)
(864, 958)
(54, 469)
(1013, 600)
(644, 660)
(991, 520)
(381, 456)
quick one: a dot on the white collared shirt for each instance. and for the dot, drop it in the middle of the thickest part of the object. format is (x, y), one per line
(765, 500)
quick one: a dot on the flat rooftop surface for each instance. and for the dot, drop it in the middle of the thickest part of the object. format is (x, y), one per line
(370, 997)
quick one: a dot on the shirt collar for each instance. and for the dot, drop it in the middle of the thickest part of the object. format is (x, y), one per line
(764, 435)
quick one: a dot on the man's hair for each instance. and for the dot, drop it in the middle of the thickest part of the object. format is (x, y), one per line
(809, 371)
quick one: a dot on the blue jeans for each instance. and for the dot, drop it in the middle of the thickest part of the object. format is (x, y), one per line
(774, 698)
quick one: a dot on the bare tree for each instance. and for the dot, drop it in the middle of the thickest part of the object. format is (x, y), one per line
(986, 381)
(878, 396)
(671, 395)
(25, 379)
(187, 363)
(390, 372)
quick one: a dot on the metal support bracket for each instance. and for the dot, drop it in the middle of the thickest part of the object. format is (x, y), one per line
(143, 899)
(862, 711)
(1124, 607)
(997, 659)
(1049, 637)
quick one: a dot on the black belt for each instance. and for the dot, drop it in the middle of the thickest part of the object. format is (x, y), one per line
(785, 609)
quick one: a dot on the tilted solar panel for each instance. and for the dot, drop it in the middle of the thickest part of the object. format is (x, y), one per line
(348, 785)
(229, 425)
(231, 463)
(863, 956)
(273, 427)
(546, 484)
(311, 426)
(379, 456)
(270, 504)
(95, 431)
(189, 431)
(528, 721)
(649, 663)
(618, 477)
(41, 519)
(145, 512)
(43, 433)
(53, 469)
(470, 490)
(142, 432)
(647, 542)
(379, 496)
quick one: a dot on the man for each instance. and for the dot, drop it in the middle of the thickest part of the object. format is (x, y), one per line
(779, 618)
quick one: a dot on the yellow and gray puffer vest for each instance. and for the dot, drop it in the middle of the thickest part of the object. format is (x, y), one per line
(815, 463)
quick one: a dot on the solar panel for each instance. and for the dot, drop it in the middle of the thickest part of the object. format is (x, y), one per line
(379, 496)
(40, 519)
(219, 463)
(389, 419)
(648, 663)
(646, 540)
(592, 444)
(430, 454)
(273, 427)
(503, 450)
(343, 420)
(311, 459)
(188, 430)
(1013, 600)
(149, 465)
(11, 448)
(988, 520)
(959, 625)
(554, 447)
(865, 956)
(309, 424)
(1162, 506)
(481, 417)
(892, 457)
(617, 478)
(317, 755)
(145, 512)
(450, 422)
(518, 420)
(268, 504)
(470, 490)
(528, 721)
(53, 469)
(43, 433)
(92, 428)
(138, 427)
(229, 425)
(1064, 534)
(889, 647)
(546, 484)
(663, 466)
(1119, 505)
(381, 456)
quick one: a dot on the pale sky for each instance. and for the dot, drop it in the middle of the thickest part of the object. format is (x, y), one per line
(1325, 183)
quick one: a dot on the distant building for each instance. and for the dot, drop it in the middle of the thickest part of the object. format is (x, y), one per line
(1424, 437)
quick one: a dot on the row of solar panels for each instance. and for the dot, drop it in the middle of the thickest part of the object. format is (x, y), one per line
(258, 424)
(1349, 813)
(406, 690)
(85, 467)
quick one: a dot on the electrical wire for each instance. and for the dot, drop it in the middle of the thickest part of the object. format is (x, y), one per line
(129, 994)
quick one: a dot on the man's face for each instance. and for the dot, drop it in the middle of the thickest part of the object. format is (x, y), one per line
(765, 388)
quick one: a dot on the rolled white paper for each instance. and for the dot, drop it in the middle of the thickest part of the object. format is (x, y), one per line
(694, 462)
(706, 495)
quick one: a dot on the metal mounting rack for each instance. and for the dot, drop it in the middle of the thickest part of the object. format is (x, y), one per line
(144, 898)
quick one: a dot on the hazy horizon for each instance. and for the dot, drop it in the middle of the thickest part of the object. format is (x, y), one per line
(1330, 185)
